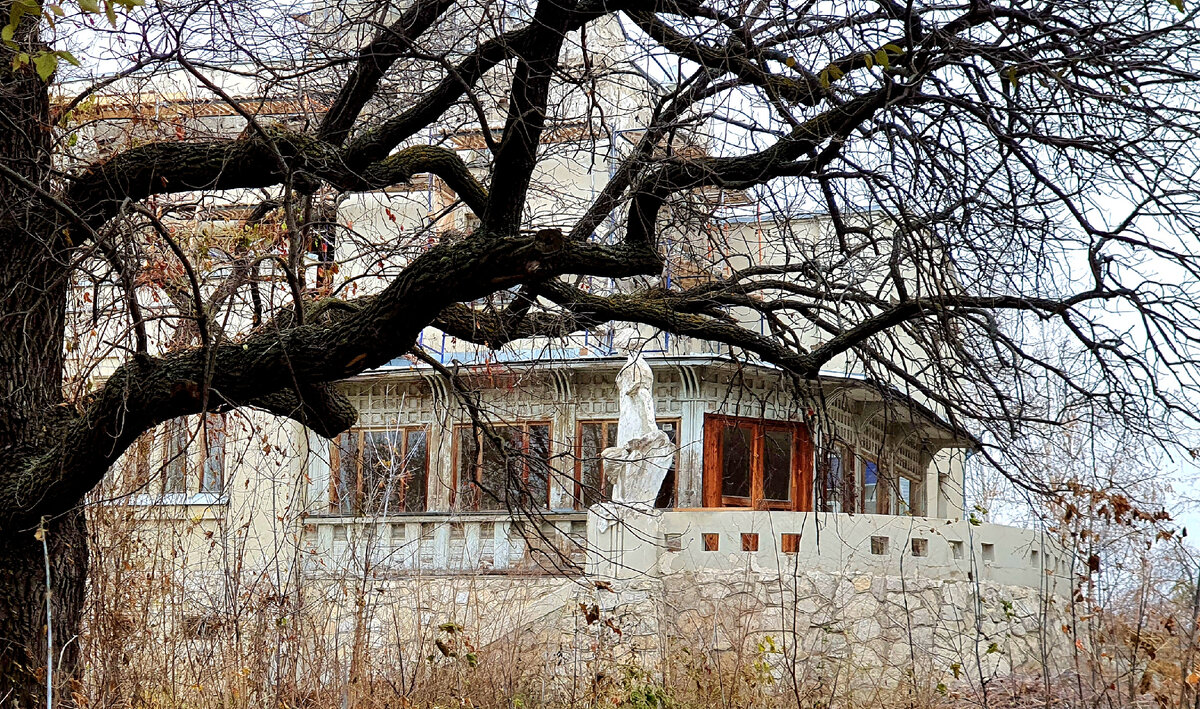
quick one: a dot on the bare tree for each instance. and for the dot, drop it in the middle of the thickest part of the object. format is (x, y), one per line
(1008, 183)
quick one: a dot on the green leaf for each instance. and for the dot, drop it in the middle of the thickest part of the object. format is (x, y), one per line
(71, 141)
(869, 59)
(6, 35)
(67, 57)
(835, 72)
(110, 11)
(90, 6)
(956, 668)
(45, 63)
(893, 48)
(992, 649)
(881, 58)
(1177, 4)
(21, 8)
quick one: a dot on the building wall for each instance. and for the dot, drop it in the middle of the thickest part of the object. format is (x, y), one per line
(566, 394)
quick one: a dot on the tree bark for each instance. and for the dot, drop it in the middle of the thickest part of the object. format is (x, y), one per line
(34, 281)
(23, 597)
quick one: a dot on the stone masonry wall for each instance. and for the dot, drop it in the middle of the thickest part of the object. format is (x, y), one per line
(845, 633)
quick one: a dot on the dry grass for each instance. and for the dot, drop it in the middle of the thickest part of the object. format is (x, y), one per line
(159, 634)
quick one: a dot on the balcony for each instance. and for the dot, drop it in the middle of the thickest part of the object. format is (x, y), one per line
(447, 543)
(773, 541)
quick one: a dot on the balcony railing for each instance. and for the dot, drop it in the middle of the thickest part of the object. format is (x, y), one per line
(844, 544)
(481, 542)
(567, 543)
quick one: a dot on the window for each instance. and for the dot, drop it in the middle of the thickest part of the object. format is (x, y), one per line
(836, 488)
(175, 458)
(380, 471)
(908, 496)
(212, 470)
(755, 464)
(868, 486)
(194, 455)
(511, 471)
(591, 485)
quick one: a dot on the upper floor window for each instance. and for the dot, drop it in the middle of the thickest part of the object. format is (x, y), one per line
(882, 491)
(506, 467)
(380, 471)
(194, 455)
(756, 464)
(908, 496)
(870, 486)
(836, 491)
(591, 483)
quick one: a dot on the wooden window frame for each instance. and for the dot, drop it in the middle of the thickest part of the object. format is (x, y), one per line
(335, 465)
(916, 485)
(849, 477)
(193, 465)
(881, 497)
(524, 426)
(801, 473)
(577, 498)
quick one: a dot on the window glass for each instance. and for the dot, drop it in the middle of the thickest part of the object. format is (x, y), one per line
(380, 472)
(493, 470)
(514, 468)
(382, 454)
(777, 465)
(175, 475)
(467, 494)
(416, 459)
(754, 463)
(347, 472)
(666, 493)
(835, 478)
(870, 486)
(536, 492)
(735, 461)
(593, 438)
(904, 496)
(910, 497)
(193, 456)
(212, 473)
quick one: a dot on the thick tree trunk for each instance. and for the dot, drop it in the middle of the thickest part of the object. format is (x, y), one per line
(34, 281)
(24, 661)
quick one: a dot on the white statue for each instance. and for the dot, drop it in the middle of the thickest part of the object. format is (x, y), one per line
(640, 461)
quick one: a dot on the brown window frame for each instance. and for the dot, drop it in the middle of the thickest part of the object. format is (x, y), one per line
(524, 426)
(335, 468)
(916, 491)
(182, 462)
(881, 477)
(847, 498)
(577, 498)
(801, 458)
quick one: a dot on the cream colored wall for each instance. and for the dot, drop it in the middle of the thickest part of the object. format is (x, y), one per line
(255, 524)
